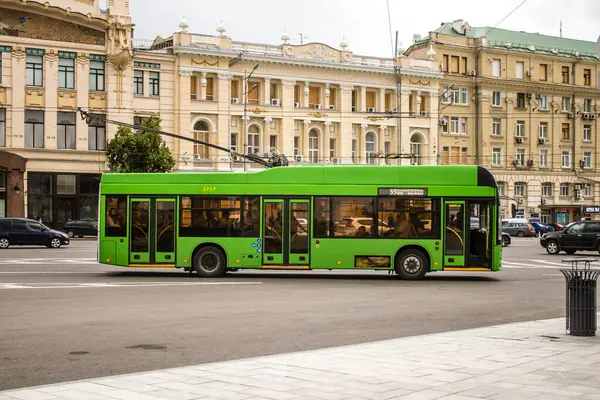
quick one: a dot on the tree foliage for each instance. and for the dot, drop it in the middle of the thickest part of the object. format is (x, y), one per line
(139, 151)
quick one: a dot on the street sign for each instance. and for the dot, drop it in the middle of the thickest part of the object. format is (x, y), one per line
(591, 209)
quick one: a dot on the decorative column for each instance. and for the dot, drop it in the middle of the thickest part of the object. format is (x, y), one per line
(184, 127)
(304, 137)
(326, 135)
(267, 92)
(327, 93)
(223, 119)
(267, 134)
(381, 105)
(203, 87)
(363, 99)
(306, 94)
(287, 121)
(51, 97)
(361, 147)
(82, 68)
(17, 137)
(381, 144)
(345, 132)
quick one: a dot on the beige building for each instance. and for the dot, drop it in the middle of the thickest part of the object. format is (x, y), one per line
(314, 102)
(530, 104)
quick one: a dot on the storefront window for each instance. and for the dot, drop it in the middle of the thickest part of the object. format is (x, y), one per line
(39, 199)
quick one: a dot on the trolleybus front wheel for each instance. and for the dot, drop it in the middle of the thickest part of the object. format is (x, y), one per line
(209, 262)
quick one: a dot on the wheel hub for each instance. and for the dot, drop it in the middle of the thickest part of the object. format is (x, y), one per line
(411, 264)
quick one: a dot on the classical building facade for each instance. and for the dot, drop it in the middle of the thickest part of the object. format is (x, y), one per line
(527, 104)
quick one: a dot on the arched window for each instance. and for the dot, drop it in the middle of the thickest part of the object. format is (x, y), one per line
(201, 132)
(415, 149)
(313, 146)
(370, 147)
(253, 139)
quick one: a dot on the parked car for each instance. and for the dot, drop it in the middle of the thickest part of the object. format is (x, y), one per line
(27, 232)
(505, 239)
(518, 229)
(577, 236)
(557, 227)
(81, 228)
(540, 229)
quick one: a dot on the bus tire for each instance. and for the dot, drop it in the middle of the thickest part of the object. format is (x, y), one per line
(412, 264)
(209, 262)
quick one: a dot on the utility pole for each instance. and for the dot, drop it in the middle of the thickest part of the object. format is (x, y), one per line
(397, 69)
(246, 92)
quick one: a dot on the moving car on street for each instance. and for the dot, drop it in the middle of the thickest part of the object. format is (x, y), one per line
(27, 232)
(519, 229)
(540, 229)
(577, 236)
(81, 228)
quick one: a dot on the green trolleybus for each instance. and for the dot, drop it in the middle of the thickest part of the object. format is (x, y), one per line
(407, 219)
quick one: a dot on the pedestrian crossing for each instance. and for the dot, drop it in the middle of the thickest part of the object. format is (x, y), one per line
(48, 261)
(551, 263)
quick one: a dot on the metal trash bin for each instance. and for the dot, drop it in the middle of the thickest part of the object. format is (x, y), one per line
(581, 296)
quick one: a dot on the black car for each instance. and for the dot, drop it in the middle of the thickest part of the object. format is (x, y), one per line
(505, 239)
(81, 228)
(577, 236)
(27, 232)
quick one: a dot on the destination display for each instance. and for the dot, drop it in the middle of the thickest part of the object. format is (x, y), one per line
(403, 192)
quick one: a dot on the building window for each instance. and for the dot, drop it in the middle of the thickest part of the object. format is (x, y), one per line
(543, 130)
(564, 189)
(587, 159)
(520, 71)
(547, 189)
(587, 77)
(66, 130)
(587, 105)
(354, 100)
(296, 146)
(520, 128)
(543, 72)
(253, 140)
(566, 104)
(66, 73)
(445, 155)
(2, 127)
(234, 142)
(520, 188)
(354, 160)
(415, 149)
(313, 146)
(210, 84)
(565, 74)
(463, 65)
(454, 64)
(496, 100)
(202, 133)
(138, 82)
(331, 149)
(543, 102)
(587, 133)
(520, 100)
(194, 88)
(543, 158)
(34, 70)
(464, 152)
(501, 189)
(66, 184)
(370, 147)
(455, 95)
(587, 189)
(34, 129)
(139, 120)
(496, 127)
(154, 78)
(97, 134)
(272, 142)
(496, 156)
(445, 62)
(97, 75)
(520, 157)
(463, 126)
(566, 131)
(454, 125)
(464, 95)
(496, 67)
(565, 159)
(445, 125)
(446, 98)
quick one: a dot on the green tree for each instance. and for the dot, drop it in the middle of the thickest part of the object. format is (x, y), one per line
(141, 151)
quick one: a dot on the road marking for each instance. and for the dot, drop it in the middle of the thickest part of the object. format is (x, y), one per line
(52, 272)
(113, 285)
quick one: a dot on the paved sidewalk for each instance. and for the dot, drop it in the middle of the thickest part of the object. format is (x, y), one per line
(530, 360)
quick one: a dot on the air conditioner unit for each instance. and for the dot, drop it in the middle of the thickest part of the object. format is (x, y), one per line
(370, 109)
(529, 95)
(529, 73)
(472, 73)
(235, 100)
(519, 139)
(275, 102)
(592, 116)
(301, 159)
(196, 156)
(515, 162)
(542, 140)
(331, 107)
(317, 106)
(570, 115)
(335, 160)
(585, 115)
(530, 163)
(443, 122)
(296, 104)
(538, 96)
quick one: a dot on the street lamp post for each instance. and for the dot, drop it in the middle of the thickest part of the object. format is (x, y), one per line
(246, 93)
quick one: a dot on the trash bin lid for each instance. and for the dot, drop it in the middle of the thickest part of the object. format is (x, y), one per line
(579, 259)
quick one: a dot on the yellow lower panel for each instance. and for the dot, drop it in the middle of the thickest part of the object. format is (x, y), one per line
(285, 267)
(153, 265)
(465, 269)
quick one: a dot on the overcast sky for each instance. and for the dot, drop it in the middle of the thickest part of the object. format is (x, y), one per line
(363, 23)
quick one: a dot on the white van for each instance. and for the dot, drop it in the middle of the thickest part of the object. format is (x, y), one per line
(515, 221)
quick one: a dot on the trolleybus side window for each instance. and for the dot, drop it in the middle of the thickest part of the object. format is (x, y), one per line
(210, 216)
(408, 218)
(322, 213)
(353, 217)
(116, 216)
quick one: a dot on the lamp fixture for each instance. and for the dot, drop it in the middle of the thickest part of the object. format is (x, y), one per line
(17, 189)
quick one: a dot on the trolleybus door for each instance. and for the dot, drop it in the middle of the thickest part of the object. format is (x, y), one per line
(273, 228)
(299, 223)
(163, 232)
(139, 231)
(152, 232)
(454, 237)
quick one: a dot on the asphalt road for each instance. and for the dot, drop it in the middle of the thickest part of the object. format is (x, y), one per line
(64, 317)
